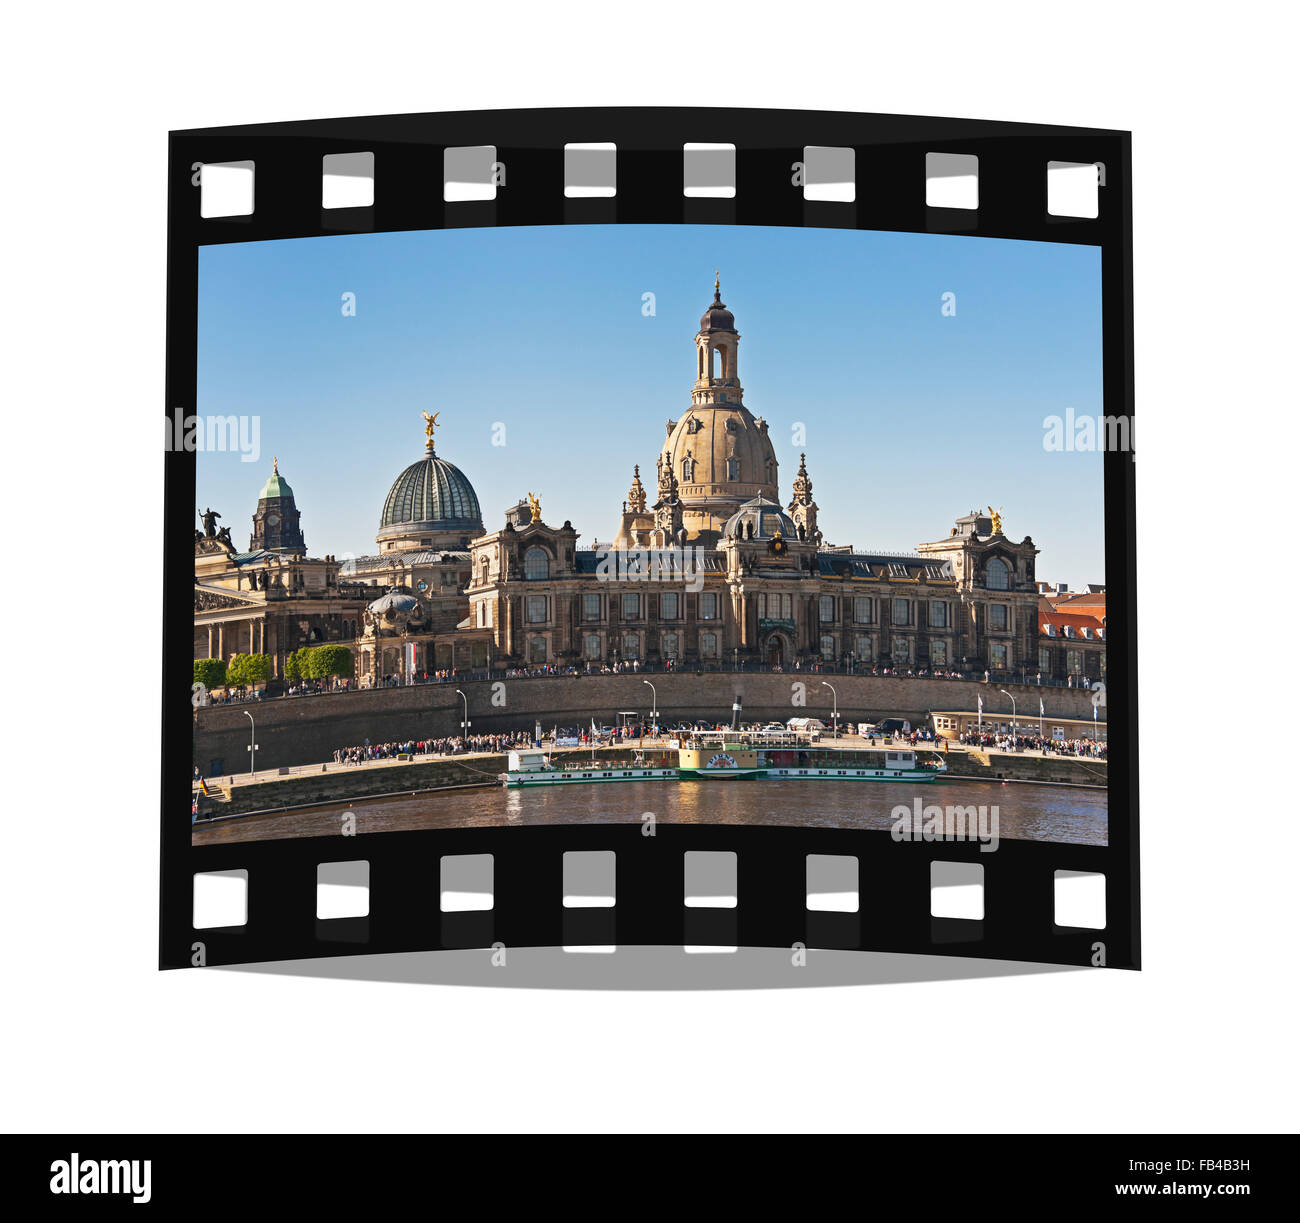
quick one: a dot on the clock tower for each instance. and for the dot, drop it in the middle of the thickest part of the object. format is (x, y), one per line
(276, 527)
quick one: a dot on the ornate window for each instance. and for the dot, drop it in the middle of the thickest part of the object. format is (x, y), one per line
(902, 611)
(537, 649)
(997, 617)
(631, 607)
(998, 655)
(938, 614)
(826, 609)
(939, 653)
(899, 649)
(997, 576)
(535, 609)
(1074, 661)
(631, 645)
(537, 565)
(668, 605)
(861, 610)
(688, 470)
(828, 646)
(709, 645)
(1044, 658)
(591, 645)
(591, 607)
(733, 469)
(862, 646)
(670, 645)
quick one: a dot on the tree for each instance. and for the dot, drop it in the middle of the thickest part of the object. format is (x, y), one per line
(210, 672)
(327, 661)
(295, 665)
(248, 669)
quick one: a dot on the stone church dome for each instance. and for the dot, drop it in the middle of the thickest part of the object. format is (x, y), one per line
(760, 518)
(720, 454)
(431, 504)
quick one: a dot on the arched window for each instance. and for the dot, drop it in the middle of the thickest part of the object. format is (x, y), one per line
(631, 645)
(688, 470)
(733, 469)
(537, 649)
(537, 565)
(997, 576)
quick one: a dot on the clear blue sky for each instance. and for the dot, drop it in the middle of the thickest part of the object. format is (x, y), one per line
(912, 418)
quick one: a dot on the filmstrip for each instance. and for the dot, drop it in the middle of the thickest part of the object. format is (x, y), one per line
(680, 527)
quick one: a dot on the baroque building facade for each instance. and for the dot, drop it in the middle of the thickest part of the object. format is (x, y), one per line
(708, 569)
(716, 572)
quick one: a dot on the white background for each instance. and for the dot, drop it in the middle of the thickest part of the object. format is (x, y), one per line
(94, 1037)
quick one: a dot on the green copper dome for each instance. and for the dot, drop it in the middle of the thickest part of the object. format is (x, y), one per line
(276, 485)
(431, 495)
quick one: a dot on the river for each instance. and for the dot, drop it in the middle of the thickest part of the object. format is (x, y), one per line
(1075, 816)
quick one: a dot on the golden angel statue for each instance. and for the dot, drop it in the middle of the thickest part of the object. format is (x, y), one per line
(534, 507)
(996, 515)
(430, 424)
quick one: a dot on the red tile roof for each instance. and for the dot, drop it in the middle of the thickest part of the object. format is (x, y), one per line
(1090, 614)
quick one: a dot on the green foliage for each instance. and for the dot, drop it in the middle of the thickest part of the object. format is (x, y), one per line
(295, 666)
(327, 661)
(318, 662)
(248, 669)
(210, 672)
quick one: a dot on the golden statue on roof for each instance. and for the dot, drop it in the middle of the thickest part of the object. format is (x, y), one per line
(534, 507)
(996, 515)
(430, 424)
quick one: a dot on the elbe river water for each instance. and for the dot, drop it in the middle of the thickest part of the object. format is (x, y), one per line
(1024, 811)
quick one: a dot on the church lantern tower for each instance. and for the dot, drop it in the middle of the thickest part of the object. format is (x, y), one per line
(276, 525)
(718, 454)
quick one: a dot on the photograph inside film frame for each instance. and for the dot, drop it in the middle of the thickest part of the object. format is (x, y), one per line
(564, 525)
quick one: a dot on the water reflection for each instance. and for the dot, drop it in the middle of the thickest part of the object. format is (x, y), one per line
(1025, 812)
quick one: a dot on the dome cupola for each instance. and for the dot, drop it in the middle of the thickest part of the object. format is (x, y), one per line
(431, 504)
(760, 519)
(717, 317)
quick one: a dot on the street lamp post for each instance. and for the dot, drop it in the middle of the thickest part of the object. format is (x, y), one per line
(252, 743)
(835, 716)
(1013, 713)
(464, 722)
(654, 711)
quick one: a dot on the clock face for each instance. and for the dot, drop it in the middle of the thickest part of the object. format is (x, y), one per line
(273, 520)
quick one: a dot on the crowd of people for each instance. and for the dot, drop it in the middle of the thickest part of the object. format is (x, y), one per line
(1092, 748)
(451, 745)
